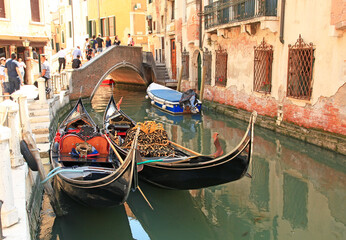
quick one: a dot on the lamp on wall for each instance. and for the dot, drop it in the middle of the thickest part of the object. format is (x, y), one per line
(26, 43)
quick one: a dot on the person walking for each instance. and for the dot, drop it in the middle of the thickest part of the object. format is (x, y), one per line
(77, 52)
(85, 47)
(62, 59)
(76, 63)
(22, 65)
(14, 76)
(2, 73)
(89, 53)
(108, 42)
(130, 41)
(93, 43)
(116, 41)
(45, 72)
(99, 43)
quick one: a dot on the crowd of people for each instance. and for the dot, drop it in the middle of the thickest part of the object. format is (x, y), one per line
(12, 70)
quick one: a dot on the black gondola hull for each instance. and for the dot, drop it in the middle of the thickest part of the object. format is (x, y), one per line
(195, 177)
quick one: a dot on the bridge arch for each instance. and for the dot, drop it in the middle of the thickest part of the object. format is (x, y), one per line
(123, 67)
(113, 59)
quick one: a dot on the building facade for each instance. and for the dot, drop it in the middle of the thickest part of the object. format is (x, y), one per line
(69, 24)
(118, 18)
(25, 25)
(283, 59)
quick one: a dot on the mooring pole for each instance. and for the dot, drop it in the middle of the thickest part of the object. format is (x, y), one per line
(180, 76)
(47, 186)
(1, 236)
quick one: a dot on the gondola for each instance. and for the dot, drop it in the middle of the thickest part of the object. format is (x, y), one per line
(173, 101)
(184, 171)
(84, 165)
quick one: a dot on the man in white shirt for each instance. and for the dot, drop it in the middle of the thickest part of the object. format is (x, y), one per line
(62, 59)
(129, 40)
(77, 52)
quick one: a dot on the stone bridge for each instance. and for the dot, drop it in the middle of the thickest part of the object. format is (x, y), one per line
(121, 63)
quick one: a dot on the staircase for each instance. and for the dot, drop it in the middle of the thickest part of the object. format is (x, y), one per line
(39, 122)
(162, 76)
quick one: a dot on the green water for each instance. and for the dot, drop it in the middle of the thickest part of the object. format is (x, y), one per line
(298, 191)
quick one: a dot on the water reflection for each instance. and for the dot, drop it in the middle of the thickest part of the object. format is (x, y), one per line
(297, 190)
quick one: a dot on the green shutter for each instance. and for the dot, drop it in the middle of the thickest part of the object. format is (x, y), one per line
(115, 32)
(101, 28)
(107, 26)
(94, 28)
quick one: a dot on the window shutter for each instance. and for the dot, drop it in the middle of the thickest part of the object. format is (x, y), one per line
(35, 10)
(2, 9)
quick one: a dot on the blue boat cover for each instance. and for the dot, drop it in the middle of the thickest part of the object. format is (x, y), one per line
(167, 94)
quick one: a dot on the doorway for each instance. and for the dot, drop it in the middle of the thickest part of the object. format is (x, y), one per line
(173, 59)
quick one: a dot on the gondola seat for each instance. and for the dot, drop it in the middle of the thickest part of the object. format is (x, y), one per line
(69, 141)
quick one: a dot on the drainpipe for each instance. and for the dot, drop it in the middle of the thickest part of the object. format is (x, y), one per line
(282, 21)
(200, 24)
(74, 45)
(1, 236)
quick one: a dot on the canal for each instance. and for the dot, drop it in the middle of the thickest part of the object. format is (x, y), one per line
(297, 190)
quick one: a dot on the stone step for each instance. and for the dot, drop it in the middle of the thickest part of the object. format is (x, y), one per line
(40, 131)
(43, 149)
(39, 119)
(42, 138)
(33, 105)
(41, 127)
(39, 112)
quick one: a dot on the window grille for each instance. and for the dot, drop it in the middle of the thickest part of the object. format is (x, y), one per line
(207, 61)
(263, 62)
(299, 71)
(185, 63)
(221, 68)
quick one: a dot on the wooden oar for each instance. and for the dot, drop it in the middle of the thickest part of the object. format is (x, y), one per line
(121, 161)
(184, 148)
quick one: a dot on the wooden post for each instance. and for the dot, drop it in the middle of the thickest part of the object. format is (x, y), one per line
(180, 76)
(202, 83)
(47, 186)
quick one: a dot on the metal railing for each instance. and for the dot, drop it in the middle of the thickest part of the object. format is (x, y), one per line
(228, 11)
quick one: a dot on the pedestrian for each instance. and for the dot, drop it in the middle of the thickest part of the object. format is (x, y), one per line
(93, 43)
(45, 72)
(99, 43)
(2, 73)
(89, 53)
(22, 65)
(62, 59)
(130, 41)
(85, 47)
(116, 41)
(76, 63)
(14, 76)
(77, 52)
(108, 42)
(34, 54)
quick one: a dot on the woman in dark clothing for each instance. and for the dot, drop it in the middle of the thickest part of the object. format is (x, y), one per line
(116, 41)
(108, 42)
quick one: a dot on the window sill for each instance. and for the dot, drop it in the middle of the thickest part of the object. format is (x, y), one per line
(37, 23)
(5, 19)
(299, 102)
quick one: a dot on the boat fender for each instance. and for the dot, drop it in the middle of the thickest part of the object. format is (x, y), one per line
(29, 158)
(146, 96)
(163, 106)
(152, 102)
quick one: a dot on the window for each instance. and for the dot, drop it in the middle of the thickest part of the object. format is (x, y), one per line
(62, 37)
(35, 10)
(263, 62)
(70, 29)
(150, 1)
(2, 9)
(221, 68)
(299, 72)
(61, 19)
(154, 26)
(173, 6)
(112, 29)
(207, 61)
(185, 64)
(103, 27)
(57, 30)
(162, 24)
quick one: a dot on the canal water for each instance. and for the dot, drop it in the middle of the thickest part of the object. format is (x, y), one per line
(297, 190)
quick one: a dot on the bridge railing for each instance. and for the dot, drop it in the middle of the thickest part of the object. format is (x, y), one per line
(60, 81)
